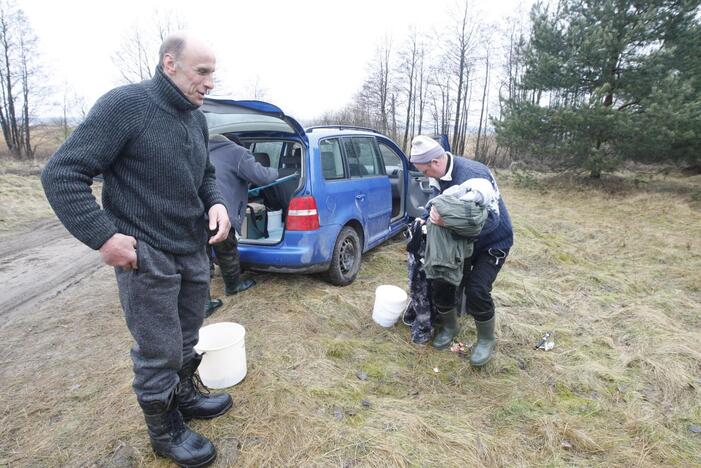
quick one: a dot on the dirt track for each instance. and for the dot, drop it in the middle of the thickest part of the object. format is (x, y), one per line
(40, 262)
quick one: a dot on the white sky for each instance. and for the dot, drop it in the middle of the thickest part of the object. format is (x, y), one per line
(308, 56)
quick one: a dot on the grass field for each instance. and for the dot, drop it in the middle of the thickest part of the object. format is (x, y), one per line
(611, 268)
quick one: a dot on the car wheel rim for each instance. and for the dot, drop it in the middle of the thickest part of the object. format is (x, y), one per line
(347, 255)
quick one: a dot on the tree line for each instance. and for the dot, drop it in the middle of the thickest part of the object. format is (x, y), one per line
(582, 84)
(576, 84)
(435, 82)
(603, 81)
(18, 79)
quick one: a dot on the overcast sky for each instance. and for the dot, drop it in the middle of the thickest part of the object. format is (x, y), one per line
(307, 56)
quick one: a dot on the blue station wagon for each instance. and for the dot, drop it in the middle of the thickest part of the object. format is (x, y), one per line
(344, 190)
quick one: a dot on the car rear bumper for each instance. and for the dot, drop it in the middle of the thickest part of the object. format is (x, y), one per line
(298, 252)
(318, 268)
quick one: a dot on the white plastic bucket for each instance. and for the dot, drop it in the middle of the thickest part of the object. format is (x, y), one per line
(390, 302)
(274, 220)
(224, 354)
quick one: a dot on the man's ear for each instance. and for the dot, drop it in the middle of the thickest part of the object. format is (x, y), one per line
(169, 64)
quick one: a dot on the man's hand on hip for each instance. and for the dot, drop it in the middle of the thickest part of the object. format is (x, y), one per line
(119, 251)
(219, 220)
(436, 217)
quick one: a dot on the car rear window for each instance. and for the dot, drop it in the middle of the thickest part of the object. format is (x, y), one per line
(331, 159)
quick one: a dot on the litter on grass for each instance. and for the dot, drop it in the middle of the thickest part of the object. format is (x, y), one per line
(546, 342)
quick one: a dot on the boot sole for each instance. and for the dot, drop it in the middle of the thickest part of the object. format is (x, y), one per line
(441, 346)
(207, 462)
(447, 345)
(491, 356)
(209, 416)
(482, 364)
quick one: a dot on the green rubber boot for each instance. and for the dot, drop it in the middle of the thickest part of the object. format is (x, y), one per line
(483, 350)
(448, 330)
(240, 285)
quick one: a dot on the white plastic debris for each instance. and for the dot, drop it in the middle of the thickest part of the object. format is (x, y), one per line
(546, 342)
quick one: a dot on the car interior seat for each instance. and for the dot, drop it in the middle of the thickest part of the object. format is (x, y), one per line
(278, 196)
(262, 158)
(328, 165)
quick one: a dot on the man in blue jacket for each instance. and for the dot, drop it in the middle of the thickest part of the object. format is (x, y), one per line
(490, 251)
(236, 168)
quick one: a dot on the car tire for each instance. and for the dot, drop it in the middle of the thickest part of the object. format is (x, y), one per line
(346, 258)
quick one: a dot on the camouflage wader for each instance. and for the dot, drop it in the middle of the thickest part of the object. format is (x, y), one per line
(419, 314)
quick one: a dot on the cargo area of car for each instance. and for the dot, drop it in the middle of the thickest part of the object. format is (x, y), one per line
(266, 213)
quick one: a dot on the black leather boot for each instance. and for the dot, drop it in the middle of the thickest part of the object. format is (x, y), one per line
(171, 438)
(194, 399)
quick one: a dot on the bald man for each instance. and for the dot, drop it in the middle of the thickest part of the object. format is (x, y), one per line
(149, 140)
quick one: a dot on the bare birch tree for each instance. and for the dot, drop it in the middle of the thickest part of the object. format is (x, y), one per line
(459, 50)
(19, 70)
(478, 153)
(138, 52)
(408, 69)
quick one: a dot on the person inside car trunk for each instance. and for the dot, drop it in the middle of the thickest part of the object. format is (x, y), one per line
(490, 249)
(236, 167)
(149, 140)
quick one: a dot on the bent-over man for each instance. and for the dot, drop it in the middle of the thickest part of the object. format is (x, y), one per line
(490, 249)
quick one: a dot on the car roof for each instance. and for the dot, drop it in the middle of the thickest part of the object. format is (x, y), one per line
(327, 131)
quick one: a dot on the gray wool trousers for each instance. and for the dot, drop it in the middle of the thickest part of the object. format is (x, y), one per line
(163, 302)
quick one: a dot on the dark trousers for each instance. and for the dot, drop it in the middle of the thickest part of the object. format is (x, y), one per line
(479, 273)
(227, 254)
(163, 302)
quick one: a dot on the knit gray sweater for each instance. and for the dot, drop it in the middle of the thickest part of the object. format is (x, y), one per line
(150, 143)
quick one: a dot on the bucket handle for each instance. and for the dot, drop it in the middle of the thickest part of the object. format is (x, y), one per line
(406, 307)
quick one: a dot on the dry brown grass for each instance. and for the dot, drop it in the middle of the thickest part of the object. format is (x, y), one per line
(613, 273)
(22, 199)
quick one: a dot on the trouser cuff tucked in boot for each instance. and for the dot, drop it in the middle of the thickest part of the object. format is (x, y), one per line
(171, 438)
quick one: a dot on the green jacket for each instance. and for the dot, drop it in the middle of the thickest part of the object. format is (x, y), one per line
(448, 246)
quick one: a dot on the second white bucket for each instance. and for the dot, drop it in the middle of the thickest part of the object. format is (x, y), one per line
(390, 302)
(223, 348)
(274, 220)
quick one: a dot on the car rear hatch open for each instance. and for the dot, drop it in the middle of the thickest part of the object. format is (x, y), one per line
(276, 140)
(250, 118)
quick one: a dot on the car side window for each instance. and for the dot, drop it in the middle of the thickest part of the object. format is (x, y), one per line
(392, 161)
(331, 159)
(362, 157)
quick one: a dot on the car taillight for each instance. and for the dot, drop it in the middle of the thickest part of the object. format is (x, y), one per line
(302, 215)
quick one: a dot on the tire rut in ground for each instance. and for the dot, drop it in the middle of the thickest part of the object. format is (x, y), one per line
(41, 263)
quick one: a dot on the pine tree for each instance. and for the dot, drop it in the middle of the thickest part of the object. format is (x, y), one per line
(605, 80)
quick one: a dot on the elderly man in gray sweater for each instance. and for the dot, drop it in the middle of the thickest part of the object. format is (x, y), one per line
(149, 140)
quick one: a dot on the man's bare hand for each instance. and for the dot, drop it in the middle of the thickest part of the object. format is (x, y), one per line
(218, 217)
(120, 251)
(435, 217)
